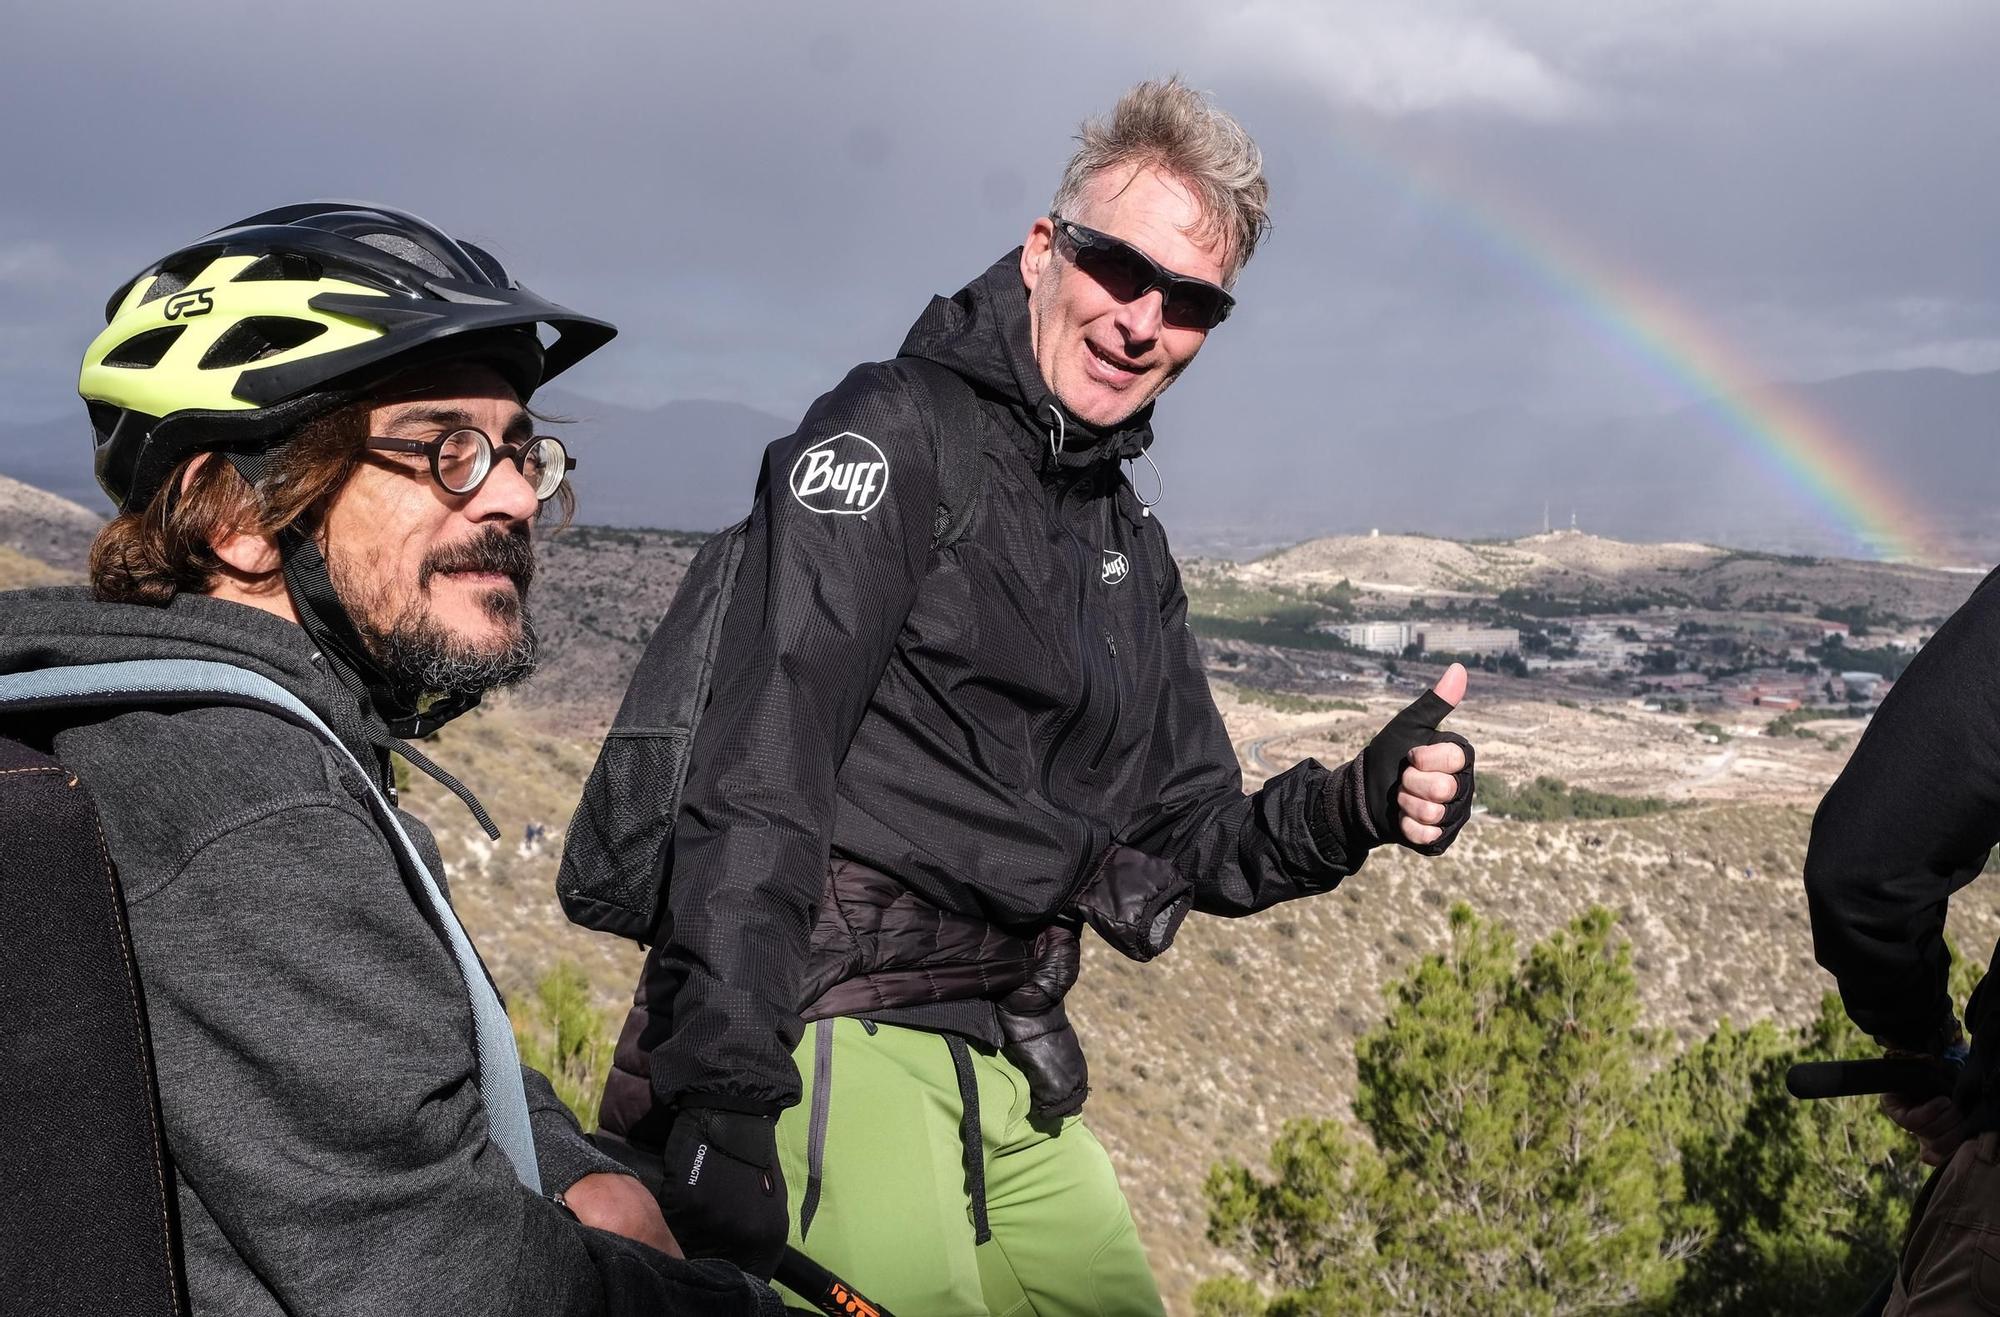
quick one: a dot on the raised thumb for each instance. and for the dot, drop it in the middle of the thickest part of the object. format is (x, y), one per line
(1451, 686)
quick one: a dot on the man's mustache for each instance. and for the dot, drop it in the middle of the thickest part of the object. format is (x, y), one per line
(508, 553)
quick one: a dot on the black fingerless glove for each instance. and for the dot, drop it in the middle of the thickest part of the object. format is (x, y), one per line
(724, 1194)
(1382, 765)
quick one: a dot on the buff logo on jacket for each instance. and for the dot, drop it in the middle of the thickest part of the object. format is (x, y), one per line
(846, 474)
(1115, 567)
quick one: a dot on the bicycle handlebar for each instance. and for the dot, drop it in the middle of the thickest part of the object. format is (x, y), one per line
(831, 1294)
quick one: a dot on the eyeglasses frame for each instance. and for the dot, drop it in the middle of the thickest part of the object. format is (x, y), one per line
(515, 453)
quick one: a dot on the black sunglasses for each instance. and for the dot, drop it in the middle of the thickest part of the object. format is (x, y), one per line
(1128, 274)
(462, 459)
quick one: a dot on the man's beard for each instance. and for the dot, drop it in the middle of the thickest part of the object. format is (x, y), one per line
(417, 654)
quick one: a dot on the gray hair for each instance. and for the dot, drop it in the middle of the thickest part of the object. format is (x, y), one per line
(1171, 127)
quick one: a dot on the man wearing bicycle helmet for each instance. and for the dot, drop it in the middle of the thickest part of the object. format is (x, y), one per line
(312, 424)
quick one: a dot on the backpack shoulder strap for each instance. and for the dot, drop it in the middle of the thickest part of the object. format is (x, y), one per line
(199, 682)
(957, 442)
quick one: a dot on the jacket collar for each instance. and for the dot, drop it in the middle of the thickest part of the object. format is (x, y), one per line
(982, 333)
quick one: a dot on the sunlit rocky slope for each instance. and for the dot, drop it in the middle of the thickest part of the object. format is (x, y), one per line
(1205, 1052)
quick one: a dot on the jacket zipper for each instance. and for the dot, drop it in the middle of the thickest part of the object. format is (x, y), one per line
(1075, 717)
(1117, 705)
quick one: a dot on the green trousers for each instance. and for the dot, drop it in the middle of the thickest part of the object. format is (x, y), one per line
(893, 1214)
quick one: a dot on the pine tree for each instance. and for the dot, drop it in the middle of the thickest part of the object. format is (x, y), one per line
(1512, 1161)
(1524, 1147)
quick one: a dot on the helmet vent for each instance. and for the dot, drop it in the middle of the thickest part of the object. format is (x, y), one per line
(289, 267)
(171, 279)
(143, 351)
(403, 249)
(258, 337)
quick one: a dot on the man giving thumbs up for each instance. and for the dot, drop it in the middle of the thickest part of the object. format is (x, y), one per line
(942, 750)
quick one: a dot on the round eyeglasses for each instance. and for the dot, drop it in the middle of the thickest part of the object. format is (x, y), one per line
(462, 459)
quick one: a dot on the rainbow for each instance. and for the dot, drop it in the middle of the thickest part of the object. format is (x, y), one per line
(1797, 447)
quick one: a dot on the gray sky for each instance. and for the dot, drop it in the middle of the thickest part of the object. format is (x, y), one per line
(761, 195)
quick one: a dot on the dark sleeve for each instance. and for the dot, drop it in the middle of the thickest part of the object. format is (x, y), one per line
(562, 1154)
(1908, 822)
(822, 594)
(1243, 853)
(318, 1082)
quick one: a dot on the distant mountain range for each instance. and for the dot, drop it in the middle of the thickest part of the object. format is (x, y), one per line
(686, 465)
(1690, 474)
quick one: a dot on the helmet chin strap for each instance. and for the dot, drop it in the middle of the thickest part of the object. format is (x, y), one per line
(333, 632)
(326, 620)
(339, 642)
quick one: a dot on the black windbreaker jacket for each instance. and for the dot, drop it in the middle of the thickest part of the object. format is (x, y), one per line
(1911, 819)
(979, 722)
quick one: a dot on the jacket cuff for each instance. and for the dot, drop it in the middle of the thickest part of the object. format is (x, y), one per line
(715, 1101)
(1337, 816)
(1933, 1040)
(563, 1154)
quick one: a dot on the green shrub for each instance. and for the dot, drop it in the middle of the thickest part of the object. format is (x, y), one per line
(1521, 1145)
(1792, 723)
(568, 1038)
(1550, 800)
(1505, 1162)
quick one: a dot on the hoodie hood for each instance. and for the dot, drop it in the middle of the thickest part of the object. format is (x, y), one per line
(981, 332)
(66, 626)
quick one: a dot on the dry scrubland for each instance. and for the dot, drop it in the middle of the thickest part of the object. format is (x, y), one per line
(1205, 1052)
(1246, 1023)
(601, 593)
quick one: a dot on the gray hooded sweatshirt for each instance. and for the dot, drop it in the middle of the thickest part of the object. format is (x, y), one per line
(313, 1036)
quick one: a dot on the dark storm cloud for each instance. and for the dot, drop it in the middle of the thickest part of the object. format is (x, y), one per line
(761, 195)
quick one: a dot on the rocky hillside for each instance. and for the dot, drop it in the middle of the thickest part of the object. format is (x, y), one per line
(1205, 1052)
(42, 526)
(598, 594)
(1572, 564)
(20, 572)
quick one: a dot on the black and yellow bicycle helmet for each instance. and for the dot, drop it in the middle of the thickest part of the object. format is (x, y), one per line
(235, 341)
(239, 338)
